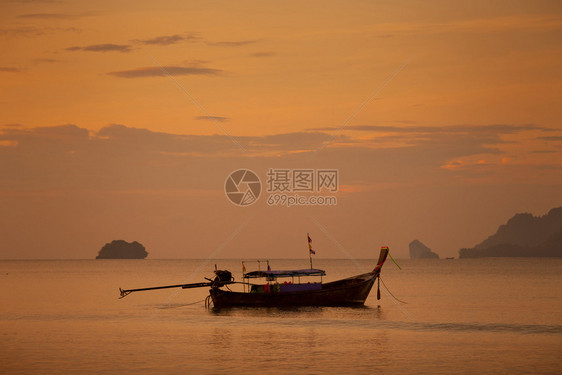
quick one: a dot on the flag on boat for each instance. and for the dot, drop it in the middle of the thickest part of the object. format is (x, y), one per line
(310, 245)
(268, 268)
(243, 268)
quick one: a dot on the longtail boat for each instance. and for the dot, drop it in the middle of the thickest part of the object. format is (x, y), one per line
(352, 291)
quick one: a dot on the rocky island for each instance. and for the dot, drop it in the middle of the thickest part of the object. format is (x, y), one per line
(119, 249)
(419, 251)
(524, 235)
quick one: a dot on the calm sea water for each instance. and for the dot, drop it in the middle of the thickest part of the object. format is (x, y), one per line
(461, 316)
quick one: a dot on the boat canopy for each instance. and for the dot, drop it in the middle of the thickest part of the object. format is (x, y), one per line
(286, 273)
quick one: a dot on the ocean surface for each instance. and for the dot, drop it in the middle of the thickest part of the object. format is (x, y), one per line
(472, 316)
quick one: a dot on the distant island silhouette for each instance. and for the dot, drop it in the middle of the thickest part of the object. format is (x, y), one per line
(119, 249)
(419, 251)
(524, 235)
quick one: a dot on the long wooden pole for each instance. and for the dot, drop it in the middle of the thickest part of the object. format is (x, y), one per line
(126, 292)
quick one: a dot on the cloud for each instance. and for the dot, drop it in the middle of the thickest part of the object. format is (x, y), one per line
(46, 60)
(22, 31)
(154, 71)
(168, 39)
(543, 152)
(47, 16)
(481, 137)
(305, 142)
(32, 31)
(108, 47)
(460, 148)
(494, 128)
(34, 1)
(9, 69)
(48, 132)
(212, 145)
(237, 43)
(525, 22)
(212, 118)
(263, 54)
(122, 157)
(551, 138)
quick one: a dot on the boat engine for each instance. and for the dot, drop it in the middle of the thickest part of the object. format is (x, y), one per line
(223, 276)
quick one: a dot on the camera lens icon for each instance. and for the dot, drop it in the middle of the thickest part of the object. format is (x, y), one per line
(242, 187)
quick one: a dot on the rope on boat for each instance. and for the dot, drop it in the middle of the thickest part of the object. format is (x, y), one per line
(188, 304)
(394, 300)
(400, 268)
(389, 292)
(194, 303)
(208, 300)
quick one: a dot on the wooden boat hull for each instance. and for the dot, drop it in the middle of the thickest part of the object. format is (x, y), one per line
(352, 291)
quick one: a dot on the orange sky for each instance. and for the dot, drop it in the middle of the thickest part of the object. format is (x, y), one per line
(96, 143)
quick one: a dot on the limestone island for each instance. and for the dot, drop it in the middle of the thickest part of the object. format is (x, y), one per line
(524, 235)
(419, 251)
(119, 249)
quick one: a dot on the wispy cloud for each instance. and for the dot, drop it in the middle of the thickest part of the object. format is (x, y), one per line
(483, 25)
(165, 40)
(48, 16)
(108, 47)
(536, 22)
(155, 71)
(551, 138)
(9, 69)
(527, 22)
(262, 54)
(46, 60)
(543, 152)
(22, 31)
(212, 118)
(236, 43)
(32, 31)
(493, 128)
(34, 1)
